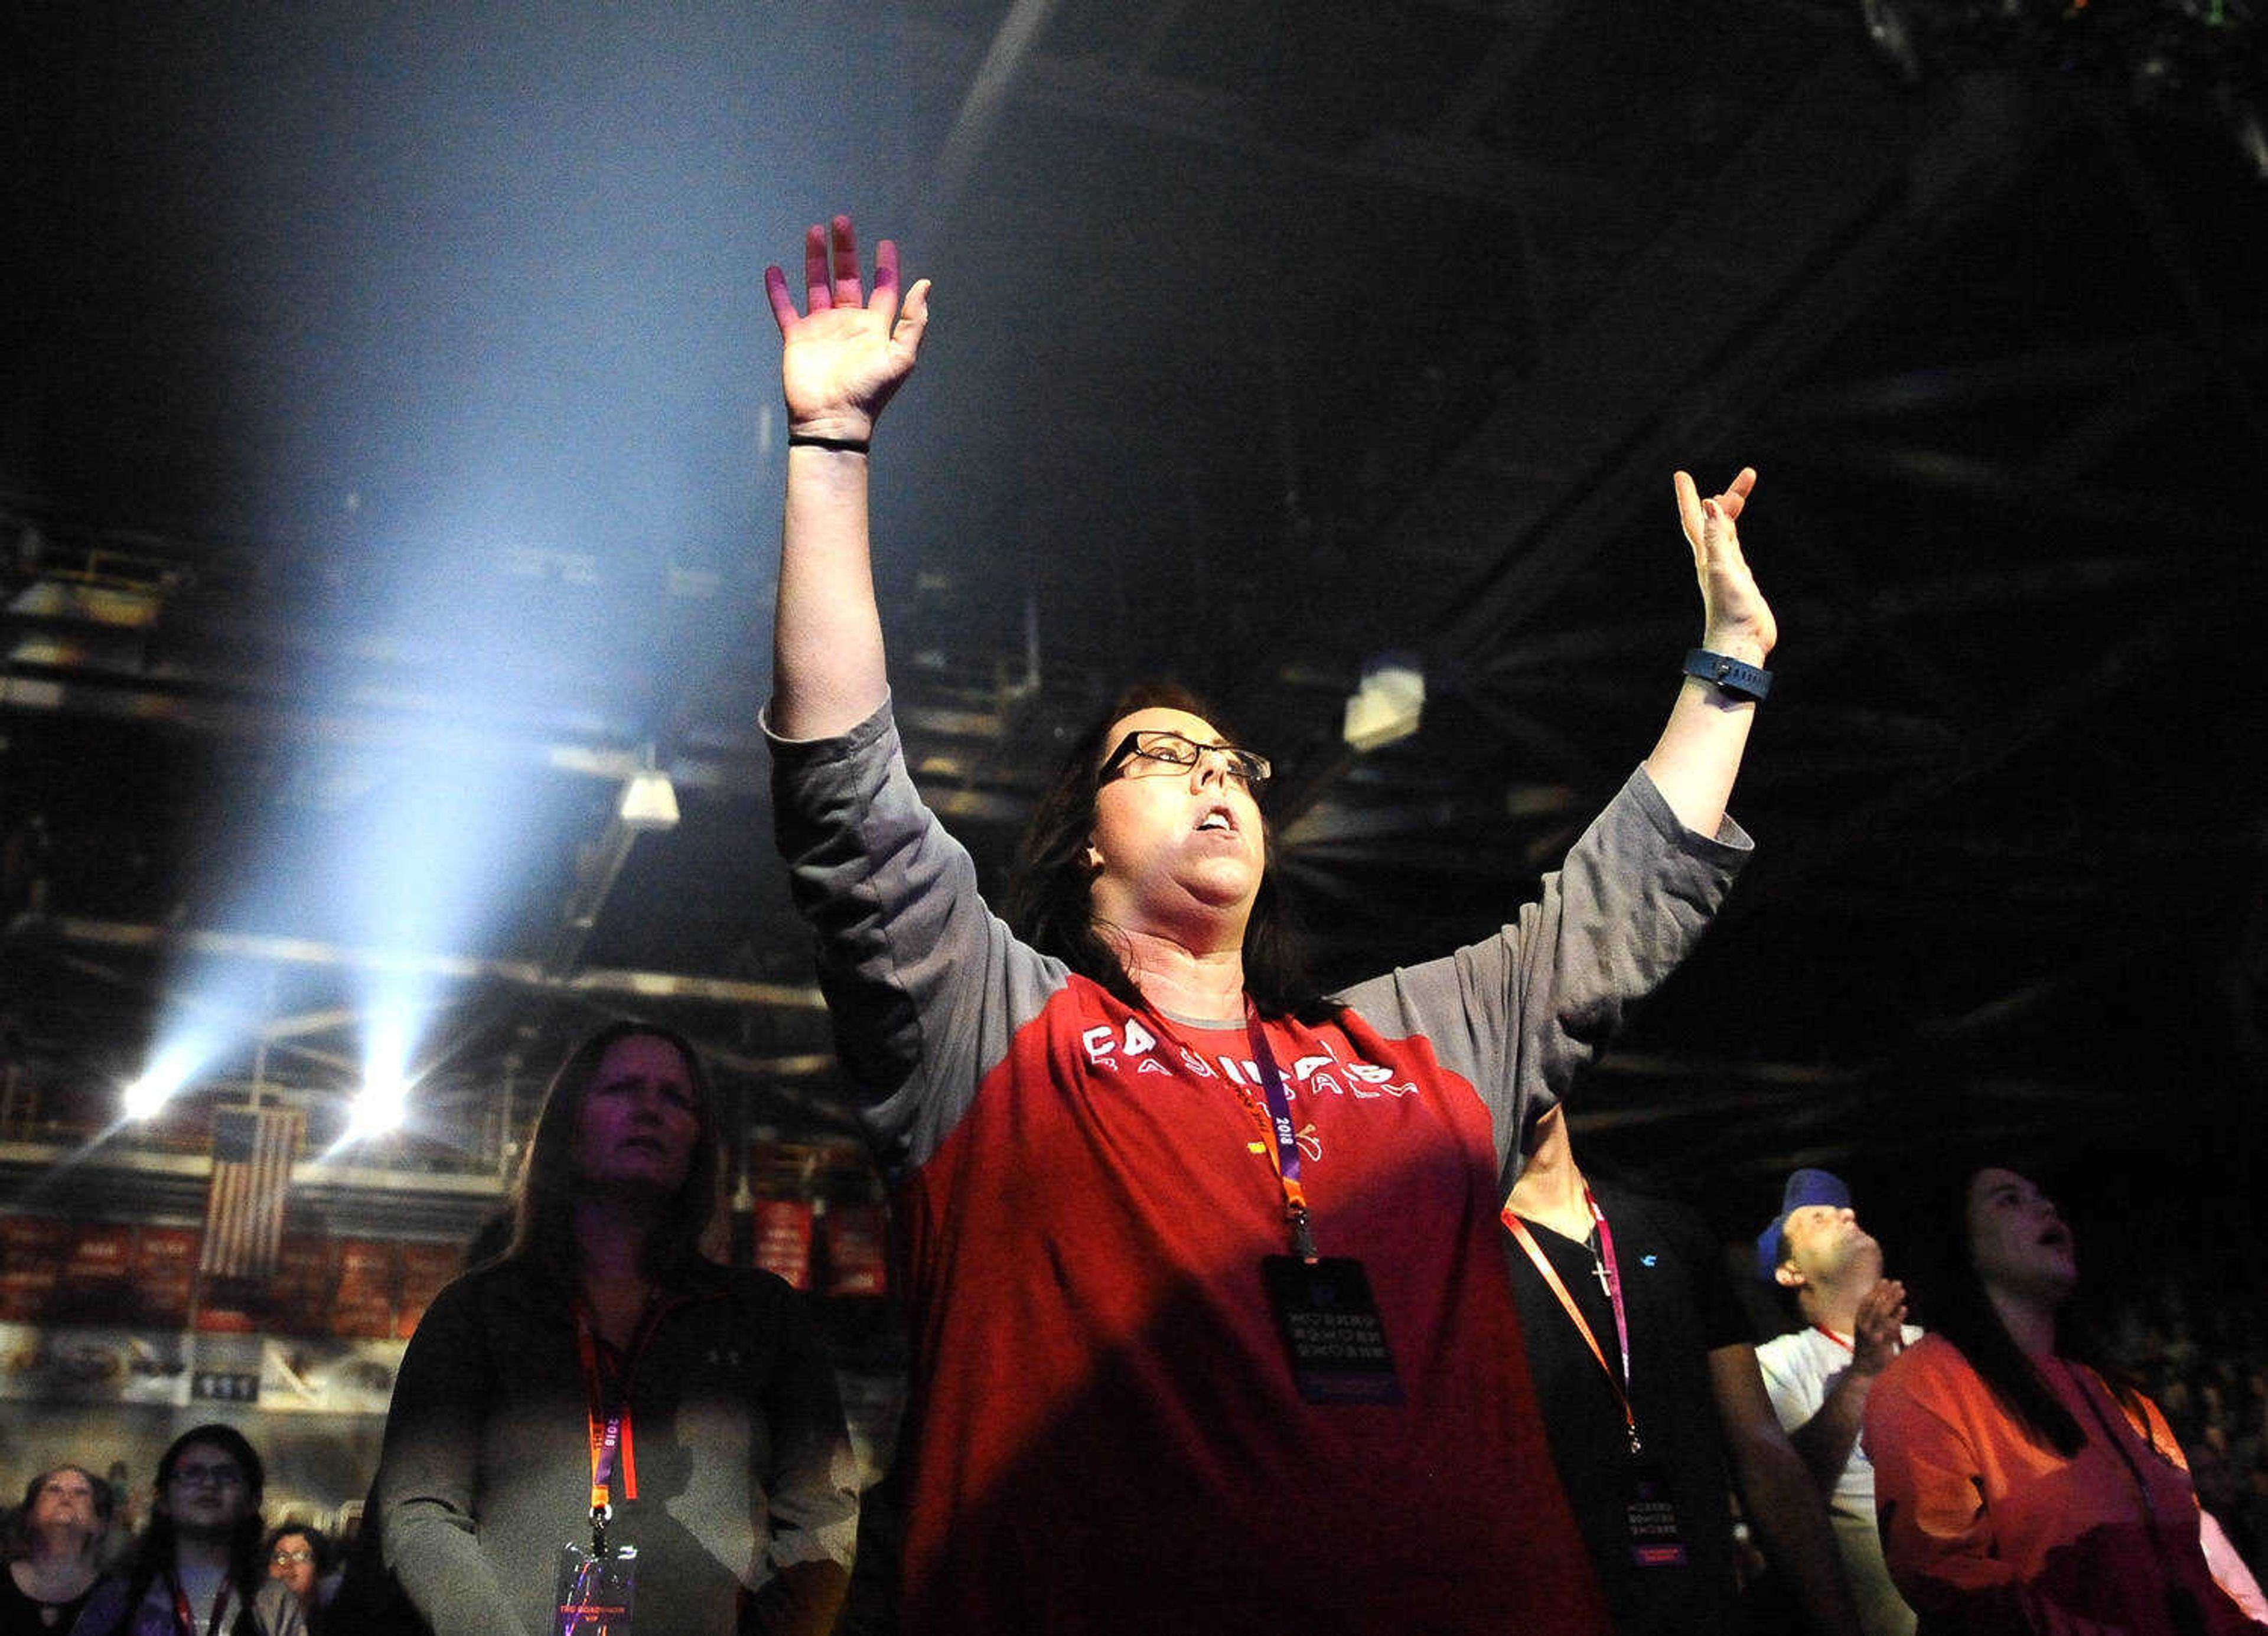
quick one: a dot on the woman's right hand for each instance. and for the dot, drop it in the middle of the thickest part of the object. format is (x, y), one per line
(845, 356)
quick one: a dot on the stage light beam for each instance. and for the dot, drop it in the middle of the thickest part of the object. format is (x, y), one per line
(173, 1069)
(381, 1106)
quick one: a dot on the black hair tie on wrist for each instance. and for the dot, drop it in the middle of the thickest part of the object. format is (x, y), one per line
(805, 440)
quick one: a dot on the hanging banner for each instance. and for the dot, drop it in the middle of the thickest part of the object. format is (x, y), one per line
(93, 1364)
(295, 1299)
(323, 1374)
(164, 1274)
(781, 1238)
(855, 1256)
(96, 1283)
(425, 1269)
(32, 1250)
(252, 1153)
(364, 1304)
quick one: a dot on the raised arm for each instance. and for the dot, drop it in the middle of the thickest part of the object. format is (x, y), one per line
(1699, 752)
(841, 360)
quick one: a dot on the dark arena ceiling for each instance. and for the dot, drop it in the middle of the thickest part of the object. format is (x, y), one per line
(389, 471)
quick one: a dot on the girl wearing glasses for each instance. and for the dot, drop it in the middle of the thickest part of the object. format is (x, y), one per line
(1212, 1330)
(299, 1558)
(198, 1570)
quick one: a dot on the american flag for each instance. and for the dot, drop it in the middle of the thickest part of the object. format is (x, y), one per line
(252, 1152)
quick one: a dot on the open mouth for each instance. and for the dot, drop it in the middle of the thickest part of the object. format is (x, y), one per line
(1217, 820)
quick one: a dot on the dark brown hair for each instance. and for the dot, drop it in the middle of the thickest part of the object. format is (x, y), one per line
(543, 1201)
(153, 1556)
(1959, 1309)
(1051, 901)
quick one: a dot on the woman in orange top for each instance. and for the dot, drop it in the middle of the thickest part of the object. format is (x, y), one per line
(2018, 1490)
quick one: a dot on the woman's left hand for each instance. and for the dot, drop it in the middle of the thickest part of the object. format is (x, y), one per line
(844, 357)
(1736, 620)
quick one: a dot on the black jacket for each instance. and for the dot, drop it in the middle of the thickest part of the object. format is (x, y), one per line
(741, 1460)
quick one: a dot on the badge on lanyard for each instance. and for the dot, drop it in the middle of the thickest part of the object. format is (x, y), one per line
(1656, 1540)
(1331, 1327)
(593, 1591)
(1323, 1305)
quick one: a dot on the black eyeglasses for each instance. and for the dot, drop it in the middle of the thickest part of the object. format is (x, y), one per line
(214, 1475)
(1175, 749)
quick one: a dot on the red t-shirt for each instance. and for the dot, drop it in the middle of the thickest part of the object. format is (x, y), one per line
(1105, 1433)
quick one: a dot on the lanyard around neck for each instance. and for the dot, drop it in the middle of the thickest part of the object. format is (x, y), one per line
(1838, 1339)
(185, 1621)
(1287, 1137)
(608, 1416)
(1613, 1280)
(1282, 1138)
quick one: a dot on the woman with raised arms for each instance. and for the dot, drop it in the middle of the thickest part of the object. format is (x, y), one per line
(1211, 1324)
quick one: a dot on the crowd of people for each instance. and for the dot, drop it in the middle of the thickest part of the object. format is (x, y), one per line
(1233, 1303)
(202, 1562)
(2003, 1470)
(2210, 1380)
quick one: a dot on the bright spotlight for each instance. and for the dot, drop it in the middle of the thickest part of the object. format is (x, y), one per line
(383, 1103)
(146, 1095)
(173, 1069)
(380, 1106)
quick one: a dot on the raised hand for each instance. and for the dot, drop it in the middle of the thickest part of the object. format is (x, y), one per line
(1736, 619)
(845, 356)
(1878, 1333)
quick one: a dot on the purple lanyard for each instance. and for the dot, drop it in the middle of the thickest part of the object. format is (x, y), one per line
(1287, 1137)
(1278, 1118)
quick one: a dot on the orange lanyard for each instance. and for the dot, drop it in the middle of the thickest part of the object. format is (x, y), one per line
(1617, 1381)
(610, 1423)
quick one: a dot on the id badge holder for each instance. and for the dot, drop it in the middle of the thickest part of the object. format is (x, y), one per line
(1331, 1329)
(1657, 1538)
(594, 1591)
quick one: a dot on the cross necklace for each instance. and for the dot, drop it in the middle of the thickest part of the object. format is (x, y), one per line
(1598, 1263)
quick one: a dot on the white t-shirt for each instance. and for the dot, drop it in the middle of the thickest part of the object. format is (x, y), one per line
(1798, 1370)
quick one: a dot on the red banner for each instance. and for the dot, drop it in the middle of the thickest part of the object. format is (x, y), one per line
(32, 1250)
(855, 1257)
(97, 1286)
(365, 1303)
(425, 1268)
(300, 1297)
(164, 1272)
(782, 1239)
